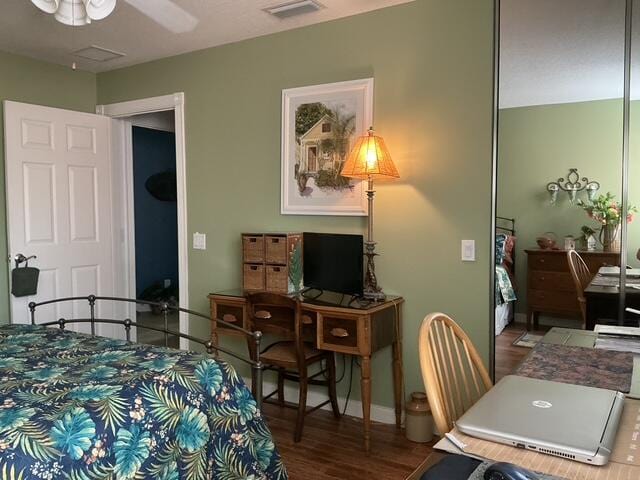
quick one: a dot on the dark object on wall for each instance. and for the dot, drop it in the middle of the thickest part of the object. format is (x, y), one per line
(162, 186)
(24, 281)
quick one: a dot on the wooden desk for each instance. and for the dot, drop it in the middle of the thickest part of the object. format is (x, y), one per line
(602, 304)
(351, 329)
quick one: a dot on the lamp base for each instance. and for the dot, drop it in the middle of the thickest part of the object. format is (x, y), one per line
(371, 289)
(373, 295)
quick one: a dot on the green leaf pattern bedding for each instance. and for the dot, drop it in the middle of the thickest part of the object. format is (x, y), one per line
(81, 407)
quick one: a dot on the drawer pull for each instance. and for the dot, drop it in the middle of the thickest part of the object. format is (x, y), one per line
(275, 240)
(253, 240)
(262, 314)
(229, 318)
(306, 320)
(542, 260)
(542, 279)
(254, 267)
(339, 332)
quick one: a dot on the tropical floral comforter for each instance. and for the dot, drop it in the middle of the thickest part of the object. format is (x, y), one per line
(79, 407)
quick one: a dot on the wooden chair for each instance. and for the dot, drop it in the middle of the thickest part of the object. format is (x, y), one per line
(453, 373)
(293, 352)
(581, 278)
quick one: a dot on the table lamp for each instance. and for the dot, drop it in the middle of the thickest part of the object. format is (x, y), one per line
(369, 159)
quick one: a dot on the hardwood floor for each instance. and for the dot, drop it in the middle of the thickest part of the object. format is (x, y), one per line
(508, 356)
(332, 449)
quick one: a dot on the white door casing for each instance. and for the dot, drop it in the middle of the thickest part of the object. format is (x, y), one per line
(59, 207)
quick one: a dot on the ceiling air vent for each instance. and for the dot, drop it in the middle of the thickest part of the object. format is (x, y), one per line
(97, 54)
(291, 9)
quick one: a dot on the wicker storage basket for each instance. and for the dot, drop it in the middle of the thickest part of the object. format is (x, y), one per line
(276, 249)
(277, 278)
(253, 248)
(253, 278)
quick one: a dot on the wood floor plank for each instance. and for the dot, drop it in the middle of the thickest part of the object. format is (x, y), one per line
(333, 449)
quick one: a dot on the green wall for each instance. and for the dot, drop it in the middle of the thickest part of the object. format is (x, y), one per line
(432, 64)
(538, 145)
(31, 81)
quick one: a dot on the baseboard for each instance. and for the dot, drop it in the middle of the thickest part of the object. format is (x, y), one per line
(379, 413)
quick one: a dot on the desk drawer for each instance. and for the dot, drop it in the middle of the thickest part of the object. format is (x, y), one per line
(596, 261)
(554, 281)
(547, 300)
(233, 313)
(341, 334)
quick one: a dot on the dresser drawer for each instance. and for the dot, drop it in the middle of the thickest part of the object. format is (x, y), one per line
(554, 281)
(550, 262)
(548, 301)
(341, 334)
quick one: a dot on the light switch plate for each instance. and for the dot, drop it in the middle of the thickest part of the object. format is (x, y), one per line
(468, 250)
(200, 241)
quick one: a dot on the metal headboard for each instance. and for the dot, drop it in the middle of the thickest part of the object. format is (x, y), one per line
(257, 366)
(508, 226)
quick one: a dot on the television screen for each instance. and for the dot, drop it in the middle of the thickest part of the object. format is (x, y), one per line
(333, 262)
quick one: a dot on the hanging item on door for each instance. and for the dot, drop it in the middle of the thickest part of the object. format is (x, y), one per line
(162, 186)
(24, 280)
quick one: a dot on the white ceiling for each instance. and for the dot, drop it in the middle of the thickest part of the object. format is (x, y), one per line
(25, 30)
(560, 51)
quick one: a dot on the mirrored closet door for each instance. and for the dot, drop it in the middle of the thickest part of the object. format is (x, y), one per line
(559, 167)
(630, 277)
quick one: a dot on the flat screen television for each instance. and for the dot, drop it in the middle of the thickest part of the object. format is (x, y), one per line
(333, 262)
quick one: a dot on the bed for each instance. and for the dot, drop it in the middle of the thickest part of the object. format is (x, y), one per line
(504, 290)
(83, 407)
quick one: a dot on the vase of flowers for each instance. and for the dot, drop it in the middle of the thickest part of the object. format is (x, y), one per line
(605, 210)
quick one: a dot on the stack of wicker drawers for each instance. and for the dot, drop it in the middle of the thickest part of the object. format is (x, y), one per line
(269, 260)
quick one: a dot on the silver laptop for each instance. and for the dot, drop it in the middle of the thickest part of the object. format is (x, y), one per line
(570, 421)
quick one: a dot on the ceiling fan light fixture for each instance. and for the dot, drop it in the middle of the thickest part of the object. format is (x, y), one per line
(99, 9)
(47, 6)
(76, 12)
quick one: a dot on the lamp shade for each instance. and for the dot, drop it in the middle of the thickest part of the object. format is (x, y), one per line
(369, 157)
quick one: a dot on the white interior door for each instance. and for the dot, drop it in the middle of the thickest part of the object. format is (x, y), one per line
(59, 207)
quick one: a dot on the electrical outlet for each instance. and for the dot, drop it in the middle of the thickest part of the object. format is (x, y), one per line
(199, 241)
(468, 250)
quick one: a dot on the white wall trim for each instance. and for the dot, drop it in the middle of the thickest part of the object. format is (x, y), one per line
(173, 102)
(379, 413)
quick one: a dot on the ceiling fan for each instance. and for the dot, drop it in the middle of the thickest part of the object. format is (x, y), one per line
(81, 12)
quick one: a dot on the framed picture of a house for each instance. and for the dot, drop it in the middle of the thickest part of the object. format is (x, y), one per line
(320, 124)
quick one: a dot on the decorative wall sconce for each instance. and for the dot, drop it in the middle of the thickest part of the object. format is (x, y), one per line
(572, 185)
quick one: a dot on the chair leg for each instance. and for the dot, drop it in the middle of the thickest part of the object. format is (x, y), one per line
(302, 408)
(281, 387)
(331, 366)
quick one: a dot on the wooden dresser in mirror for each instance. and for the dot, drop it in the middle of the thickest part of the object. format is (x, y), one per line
(550, 288)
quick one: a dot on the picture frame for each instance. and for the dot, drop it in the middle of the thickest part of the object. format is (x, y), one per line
(320, 124)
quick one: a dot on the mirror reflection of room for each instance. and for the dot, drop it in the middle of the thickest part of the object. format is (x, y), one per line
(559, 164)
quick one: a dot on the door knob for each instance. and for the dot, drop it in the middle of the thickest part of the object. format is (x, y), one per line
(20, 258)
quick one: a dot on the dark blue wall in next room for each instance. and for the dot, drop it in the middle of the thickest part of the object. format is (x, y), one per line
(156, 231)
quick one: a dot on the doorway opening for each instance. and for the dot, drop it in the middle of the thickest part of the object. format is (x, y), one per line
(150, 207)
(155, 221)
